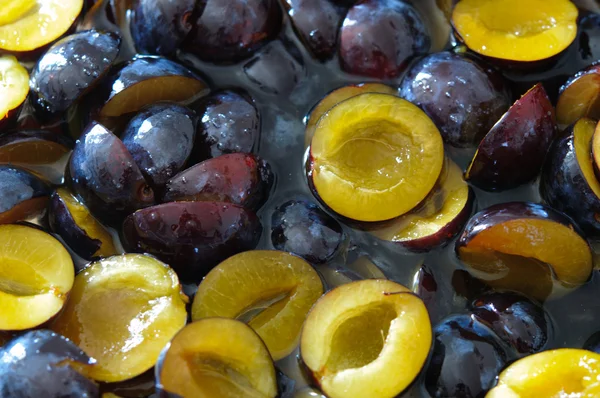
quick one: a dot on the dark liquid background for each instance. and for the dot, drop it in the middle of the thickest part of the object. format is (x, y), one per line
(282, 144)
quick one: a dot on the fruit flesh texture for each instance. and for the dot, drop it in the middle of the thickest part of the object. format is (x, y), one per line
(359, 331)
(14, 80)
(31, 25)
(271, 290)
(501, 29)
(217, 357)
(36, 275)
(33, 147)
(580, 97)
(374, 157)
(123, 328)
(22, 194)
(562, 372)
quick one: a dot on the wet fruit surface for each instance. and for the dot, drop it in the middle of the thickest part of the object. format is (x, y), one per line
(22, 194)
(13, 78)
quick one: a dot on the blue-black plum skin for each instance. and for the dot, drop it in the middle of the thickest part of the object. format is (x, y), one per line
(593, 343)
(22, 194)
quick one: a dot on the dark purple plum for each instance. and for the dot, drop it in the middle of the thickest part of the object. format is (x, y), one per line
(317, 23)
(593, 343)
(70, 68)
(159, 26)
(229, 122)
(104, 174)
(22, 194)
(192, 237)
(160, 139)
(36, 364)
(466, 285)
(517, 320)
(462, 97)
(232, 30)
(426, 287)
(302, 228)
(466, 359)
(378, 38)
(239, 178)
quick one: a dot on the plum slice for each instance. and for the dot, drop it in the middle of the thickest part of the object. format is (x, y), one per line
(14, 79)
(73, 221)
(33, 149)
(513, 152)
(580, 97)
(22, 194)
(368, 338)
(438, 219)
(500, 29)
(565, 371)
(271, 290)
(217, 357)
(192, 237)
(568, 183)
(525, 247)
(31, 24)
(36, 275)
(374, 157)
(122, 311)
(335, 97)
(239, 178)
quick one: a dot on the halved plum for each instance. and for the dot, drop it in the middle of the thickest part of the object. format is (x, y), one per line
(192, 237)
(525, 247)
(425, 286)
(368, 338)
(122, 311)
(335, 97)
(568, 183)
(217, 357)
(22, 194)
(33, 149)
(562, 372)
(580, 97)
(14, 79)
(513, 152)
(270, 290)
(74, 223)
(374, 157)
(31, 24)
(239, 178)
(36, 276)
(438, 219)
(500, 29)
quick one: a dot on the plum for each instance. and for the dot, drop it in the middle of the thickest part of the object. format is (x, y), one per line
(31, 148)
(579, 96)
(426, 287)
(22, 194)
(378, 38)
(14, 79)
(593, 343)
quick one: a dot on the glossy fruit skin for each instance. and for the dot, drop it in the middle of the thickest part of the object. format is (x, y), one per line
(563, 186)
(239, 178)
(426, 287)
(593, 343)
(160, 27)
(192, 237)
(229, 31)
(229, 122)
(317, 24)
(466, 359)
(462, 97)
(33, 365)
(517, 320)
(467, 286)
(105, 176)
(70, 68)
(18, 189)
(35, 135)
(302, 228)
(160, 139)
(379, 37)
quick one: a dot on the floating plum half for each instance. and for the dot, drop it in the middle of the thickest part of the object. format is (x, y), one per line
(517, 320)
(466, 359)
(367, 339)
(238, 178)
(15, 87)
(70, 68)
(22, 194)
(513, 152)
(374, 157)
(33, 149)
(106, 176)
(229, 122)
(500, 29)
(580, 97)
(302, 228)
(229, 31)
(379, 37)
(217, 357)
(192, 237)
(525, 247)
(160, 139)
(549, 374)
(274, 300)
(463, 98)
(37, 364)
(568, 183)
